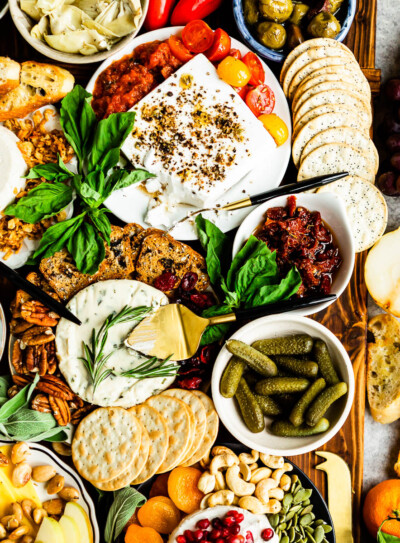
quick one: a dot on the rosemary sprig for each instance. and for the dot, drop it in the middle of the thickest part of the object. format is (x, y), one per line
(152, 368)
(95, 359)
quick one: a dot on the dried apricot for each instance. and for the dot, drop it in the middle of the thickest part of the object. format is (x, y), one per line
(160, 486)
(137, 534)
(159, 513)
(182, 489)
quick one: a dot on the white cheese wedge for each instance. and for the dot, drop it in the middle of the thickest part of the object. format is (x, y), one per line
(92, 306)
(12, 167)
(196, 135)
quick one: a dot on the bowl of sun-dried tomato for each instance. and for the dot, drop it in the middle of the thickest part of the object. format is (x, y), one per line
(310, 232)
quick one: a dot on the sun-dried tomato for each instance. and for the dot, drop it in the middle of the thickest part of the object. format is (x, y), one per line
(191, 383)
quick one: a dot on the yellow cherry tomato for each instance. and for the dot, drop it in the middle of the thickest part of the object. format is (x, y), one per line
(276, 127)
(234, 72)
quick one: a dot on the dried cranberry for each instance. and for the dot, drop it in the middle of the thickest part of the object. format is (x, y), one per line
(202, 300)
(203, 524)
(191, 383)
(166, 281)
(267, 534)
(189, 281)
(205, 354)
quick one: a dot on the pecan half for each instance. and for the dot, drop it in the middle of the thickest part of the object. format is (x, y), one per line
(17, 359)
(49, 384)
(41, 403)
(38, 335)
(51, 357)
(21, 297)
(76, 403)
(18, 326)
(13, 391)
(61, 410)
(37, 313)
(32, 358)
(80, 413)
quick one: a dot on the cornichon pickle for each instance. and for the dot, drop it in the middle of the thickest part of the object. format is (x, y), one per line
(322, 403)
(305, 368)
(291, 345)
(298, 412)
(285, 428)
(231, 376)
(324, 361)
(268, 406)
(249, 407)
(281, 385)
(257, 361)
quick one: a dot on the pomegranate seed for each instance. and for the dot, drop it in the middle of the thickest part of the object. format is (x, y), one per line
(267, 534)
(224, 532)
(229, 521)
(198, 535)
(189, 281)
(216, 523)
(249, 537)
(239, 517)
(220, 541)
(215, 534)
(189, 535)
(203, 524)
(181, 539)
(235, 529)
(236, 539)
(166, 281)
(232, 512)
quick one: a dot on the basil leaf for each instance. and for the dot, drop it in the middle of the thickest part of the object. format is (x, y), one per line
(19, 401)
(257, 268)
(78, 121)
(240, 259)
(88, 194)
(100, 221)
(124, 505)
(56, 237)
(50, 171)
(215, 332)
(109, 136)
(123, 178)
(269, 294)
(40, 203)
(87, 248)
(4, 385)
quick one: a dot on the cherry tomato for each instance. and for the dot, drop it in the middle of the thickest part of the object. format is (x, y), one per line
(221, 46)
(234, 72)
(276, 127)
(261, 100)
(256, 69)
(189, 10)
(158, 14)
(178, 49)
(197, 36)
(242, 91)
(235, 53)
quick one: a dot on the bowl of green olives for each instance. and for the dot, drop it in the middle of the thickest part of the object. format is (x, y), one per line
(274, 27)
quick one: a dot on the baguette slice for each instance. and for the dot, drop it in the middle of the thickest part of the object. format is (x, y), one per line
(40, 85)
(383, 373)
(9, 74)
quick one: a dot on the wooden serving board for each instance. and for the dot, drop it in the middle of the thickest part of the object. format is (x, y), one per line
(347, 318)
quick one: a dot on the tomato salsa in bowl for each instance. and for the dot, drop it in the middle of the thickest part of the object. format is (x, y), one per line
(309, 231)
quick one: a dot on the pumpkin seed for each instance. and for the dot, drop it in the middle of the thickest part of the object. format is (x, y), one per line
(287, 501)
(300, 495)
(295, 519)
(285, 539)
(326, 528)
(273, 520)
(292, 534)
(319, 534)
(306, 510)
(319, 522)
(309, 529)
(305, 519)
(282, 526)
(310, 538)
(306, 502)
(296, 508)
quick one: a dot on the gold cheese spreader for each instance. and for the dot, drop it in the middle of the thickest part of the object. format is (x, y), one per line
(174, 331)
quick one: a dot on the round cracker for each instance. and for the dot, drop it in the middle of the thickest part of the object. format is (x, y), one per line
(338, 73)
(157, 429)
(177, 417)
(348, 62)
(335, 97)
(211, 428)
(336, 158)
(134, 469)
(105, 444)
(366, 209)
(323, 122)
(311, 88)
(344, 135)
(199, 412)
(309, 56)
(305, 46)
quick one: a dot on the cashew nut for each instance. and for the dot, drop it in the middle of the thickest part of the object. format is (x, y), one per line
(276, 493)
(38, 515)
(205, 461)
(16, 511)
(219, 481)
(237, 484)
(273, 507)
(263, 489)
(259, 474)
(223, 461)
(10, 522)
(278, 473)
(220, 449)
(253, 466)
(204, 501)
(287, 466)
(252, 504)
(19, 532)
(19, 452)
(245, 471)
(27, 507)
(285, 483)
(247, 458)
(271, 461)
(206, 483)
(222, 497)
(235, 500)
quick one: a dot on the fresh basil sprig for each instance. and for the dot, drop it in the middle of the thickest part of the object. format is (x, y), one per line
(19, 423)
(125, 503)
(251, 280)
(97, 146)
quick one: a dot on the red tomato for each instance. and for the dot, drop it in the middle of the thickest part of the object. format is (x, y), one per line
(197, 36)
(221, 46)
(256, 69)
(235, 53)
(242, 91)
(158, 14)
(261, 100)
(189, 10)
(178, 49)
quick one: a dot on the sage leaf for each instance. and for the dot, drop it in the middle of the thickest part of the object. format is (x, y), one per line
(4, 385)
(124, 505)
(19, 401)
(87, 247)
(30, 422)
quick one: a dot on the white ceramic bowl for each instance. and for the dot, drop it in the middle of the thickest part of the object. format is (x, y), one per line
(265, 441)
(24, 25)
(333, 213)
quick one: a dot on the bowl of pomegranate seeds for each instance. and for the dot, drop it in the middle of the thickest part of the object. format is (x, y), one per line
(308, 232)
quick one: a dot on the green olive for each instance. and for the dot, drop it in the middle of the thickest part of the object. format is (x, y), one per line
(335, 5)
(294, 36)
(298, 13)
(324, 25)
(250, 11)
(276, 10)
(272, 35)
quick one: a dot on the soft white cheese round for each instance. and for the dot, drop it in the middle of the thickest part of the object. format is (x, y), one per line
(92, 306)
(255, 523)
(12, 167)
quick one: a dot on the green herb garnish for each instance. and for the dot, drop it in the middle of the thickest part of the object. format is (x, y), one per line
(152, 368)
(383, 537)
(124, 505)
(97, 146)
(95, 358)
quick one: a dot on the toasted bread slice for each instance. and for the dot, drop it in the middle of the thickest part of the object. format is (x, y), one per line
(64, 277)
(9, 74)
(383, 373)
(40, 85)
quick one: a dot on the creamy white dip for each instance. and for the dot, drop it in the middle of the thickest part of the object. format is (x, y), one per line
(92, 306)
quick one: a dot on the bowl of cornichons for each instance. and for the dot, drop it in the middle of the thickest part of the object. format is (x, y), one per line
(283, 385)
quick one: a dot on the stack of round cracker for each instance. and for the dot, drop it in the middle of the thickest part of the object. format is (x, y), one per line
(332, 117)
(114, 447)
